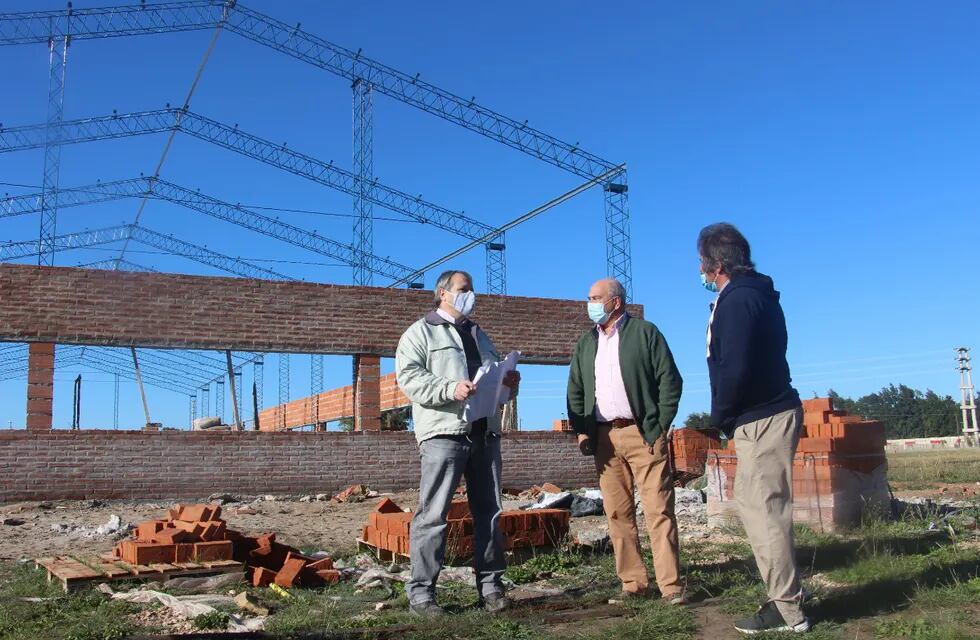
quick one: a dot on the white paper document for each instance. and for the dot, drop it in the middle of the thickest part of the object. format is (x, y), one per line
(490, 390)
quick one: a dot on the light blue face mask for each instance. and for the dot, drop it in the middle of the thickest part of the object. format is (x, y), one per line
(710, 286)
(597, 312)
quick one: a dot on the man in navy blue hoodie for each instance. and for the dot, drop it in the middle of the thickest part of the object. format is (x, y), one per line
(756, 406)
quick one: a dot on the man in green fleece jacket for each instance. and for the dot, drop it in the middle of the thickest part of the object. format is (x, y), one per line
(623, 392)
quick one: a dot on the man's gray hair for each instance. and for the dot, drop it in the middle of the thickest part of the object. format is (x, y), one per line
(444, 281)
(616, 289)
(723, 246)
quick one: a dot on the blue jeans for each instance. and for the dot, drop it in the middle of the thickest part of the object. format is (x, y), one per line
(445, 459)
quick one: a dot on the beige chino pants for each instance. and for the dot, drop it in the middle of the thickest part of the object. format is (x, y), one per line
(623, 461)
(764, 493)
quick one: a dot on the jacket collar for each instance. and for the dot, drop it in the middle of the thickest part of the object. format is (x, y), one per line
(623, 321)
(435, 319)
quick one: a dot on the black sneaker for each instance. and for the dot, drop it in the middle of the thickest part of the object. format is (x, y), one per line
(768, 618)
(427, 609)
(496, 602)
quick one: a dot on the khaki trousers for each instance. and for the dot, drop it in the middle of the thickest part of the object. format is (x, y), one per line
(623, 458)
(764, 493)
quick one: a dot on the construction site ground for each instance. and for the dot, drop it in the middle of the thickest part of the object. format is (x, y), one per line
(915, 576)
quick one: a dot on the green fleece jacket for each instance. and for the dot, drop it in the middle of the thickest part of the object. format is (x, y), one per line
(653, 383)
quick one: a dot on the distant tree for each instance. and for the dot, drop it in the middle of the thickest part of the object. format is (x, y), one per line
(698, 420)
(396, 419)
(393, 420)
(906, 412)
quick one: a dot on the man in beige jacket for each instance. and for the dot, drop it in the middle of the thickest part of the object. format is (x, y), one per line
(436, 361)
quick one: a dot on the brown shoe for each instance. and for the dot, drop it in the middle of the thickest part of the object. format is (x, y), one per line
(678, 599)
(635, 595)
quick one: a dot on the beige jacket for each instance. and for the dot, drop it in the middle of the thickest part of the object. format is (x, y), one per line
(428, 363)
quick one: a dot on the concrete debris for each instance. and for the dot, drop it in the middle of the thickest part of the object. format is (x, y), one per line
(353, 493)
(113, 525)
(207, 584)
(250, 603)
(237, 624)
(201, 424)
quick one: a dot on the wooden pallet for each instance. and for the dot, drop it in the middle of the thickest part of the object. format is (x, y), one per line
(382, 554)
(76, 572)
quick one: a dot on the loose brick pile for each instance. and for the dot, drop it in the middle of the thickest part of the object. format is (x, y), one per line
(196, 533)
(389, 528)
(839, 471)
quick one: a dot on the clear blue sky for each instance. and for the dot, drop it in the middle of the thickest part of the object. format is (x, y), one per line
(842, 138)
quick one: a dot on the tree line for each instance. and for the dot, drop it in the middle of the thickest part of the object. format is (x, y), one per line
(905, 412)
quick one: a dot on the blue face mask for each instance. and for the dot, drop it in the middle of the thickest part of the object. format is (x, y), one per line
(597, 312)
(710, 286)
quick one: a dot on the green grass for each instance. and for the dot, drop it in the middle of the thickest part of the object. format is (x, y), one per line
(923, 469)
(648, 619)
(82, 615)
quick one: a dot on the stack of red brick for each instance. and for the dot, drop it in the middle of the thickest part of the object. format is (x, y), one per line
(196, 533)
(190, 533)
(561, 425)
(389, 528)
(689, 452)
(838, 472)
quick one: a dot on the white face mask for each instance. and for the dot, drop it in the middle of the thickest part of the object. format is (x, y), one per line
(464, 302)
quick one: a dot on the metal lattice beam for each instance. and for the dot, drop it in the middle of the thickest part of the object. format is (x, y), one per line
(363, 138)
(57, 65)
(35, 27)
(277, 155)
(96, 237)
(213, 207)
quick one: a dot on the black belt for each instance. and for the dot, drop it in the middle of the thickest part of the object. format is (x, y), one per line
(618, 423)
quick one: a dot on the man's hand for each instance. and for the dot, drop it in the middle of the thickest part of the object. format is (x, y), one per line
(464, 389)
(585, 445)
(513, 380)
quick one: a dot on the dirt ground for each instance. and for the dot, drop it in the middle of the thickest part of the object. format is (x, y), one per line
(70, 527)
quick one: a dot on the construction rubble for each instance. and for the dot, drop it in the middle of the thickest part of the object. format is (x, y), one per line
(196, 533)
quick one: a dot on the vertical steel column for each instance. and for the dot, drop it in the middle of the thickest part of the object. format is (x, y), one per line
(238, 392)
(115, 402)
(283, 378)
(618, 257)
(57, 63)
(219, 400)
(363, 120)
(206, 400)
(258, 376)
(316, 387)
(193, 411)
(496, 266)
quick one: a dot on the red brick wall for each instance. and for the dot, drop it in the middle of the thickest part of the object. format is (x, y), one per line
(181, 464)
(118, 308)
(327, 406)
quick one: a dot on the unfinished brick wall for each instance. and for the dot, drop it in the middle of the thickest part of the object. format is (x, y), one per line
(181, 464)
(327, 406)
(119, 308)
(839, 472)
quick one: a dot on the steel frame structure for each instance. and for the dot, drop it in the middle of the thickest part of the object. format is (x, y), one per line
(58, 29)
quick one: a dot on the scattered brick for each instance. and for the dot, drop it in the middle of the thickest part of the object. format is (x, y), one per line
(387, 506)
(289, 574)
(547, 487)
(262, 577)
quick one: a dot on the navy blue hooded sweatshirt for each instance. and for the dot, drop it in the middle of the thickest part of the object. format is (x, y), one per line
(747, 354)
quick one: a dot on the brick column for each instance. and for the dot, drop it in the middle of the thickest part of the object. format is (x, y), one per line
(367, 390)
(40, 385)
